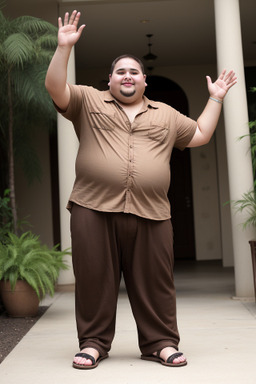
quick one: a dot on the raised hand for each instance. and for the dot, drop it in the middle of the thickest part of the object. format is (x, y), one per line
(222, 84)
(68, 33)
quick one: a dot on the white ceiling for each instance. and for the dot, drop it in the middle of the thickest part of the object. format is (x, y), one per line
(184, 30)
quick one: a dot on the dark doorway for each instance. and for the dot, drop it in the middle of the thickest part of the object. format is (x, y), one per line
(180, 192)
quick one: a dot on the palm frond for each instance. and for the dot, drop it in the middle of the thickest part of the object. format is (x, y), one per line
(248, 204)
(18, 49)
(48, 41)
(35, 26)
(252, 124)
(29, 85)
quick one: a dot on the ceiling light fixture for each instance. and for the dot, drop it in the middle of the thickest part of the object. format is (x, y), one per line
(149, 56)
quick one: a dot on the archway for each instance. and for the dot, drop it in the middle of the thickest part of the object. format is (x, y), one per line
(180, 193)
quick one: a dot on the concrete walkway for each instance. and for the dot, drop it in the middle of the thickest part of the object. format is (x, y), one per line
(218, 336)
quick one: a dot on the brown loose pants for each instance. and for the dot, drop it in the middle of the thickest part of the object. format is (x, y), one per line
(104, 245)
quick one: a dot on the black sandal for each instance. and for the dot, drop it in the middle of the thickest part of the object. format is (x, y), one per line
(95, 363)
(169, 362)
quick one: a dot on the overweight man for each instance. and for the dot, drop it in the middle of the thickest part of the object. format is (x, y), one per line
(120, 212)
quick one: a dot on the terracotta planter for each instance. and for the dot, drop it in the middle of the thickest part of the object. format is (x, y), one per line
(253, 253)
(22, 302)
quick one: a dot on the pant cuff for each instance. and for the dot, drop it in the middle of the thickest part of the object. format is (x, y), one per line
(158, 347)
(101, 351)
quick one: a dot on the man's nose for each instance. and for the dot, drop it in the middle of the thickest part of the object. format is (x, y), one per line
(127, 75)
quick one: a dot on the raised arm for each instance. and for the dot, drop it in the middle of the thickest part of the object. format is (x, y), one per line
(56, 77)
(208, 120)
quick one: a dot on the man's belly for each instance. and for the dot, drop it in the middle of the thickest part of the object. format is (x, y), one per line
(114, 171)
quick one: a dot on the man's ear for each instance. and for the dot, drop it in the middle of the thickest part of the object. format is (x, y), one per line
(109, 76)
(145, 80)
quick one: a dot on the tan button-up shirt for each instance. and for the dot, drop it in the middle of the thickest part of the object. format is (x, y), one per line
(123, 166)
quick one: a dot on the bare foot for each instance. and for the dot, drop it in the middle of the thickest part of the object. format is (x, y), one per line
(90, 351)
(168, 351)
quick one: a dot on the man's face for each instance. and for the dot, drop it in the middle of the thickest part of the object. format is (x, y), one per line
(127, 82)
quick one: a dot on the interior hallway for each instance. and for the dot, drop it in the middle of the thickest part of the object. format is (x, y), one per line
(218, 336)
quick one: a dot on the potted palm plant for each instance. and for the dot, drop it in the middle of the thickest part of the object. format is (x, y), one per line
(248, 204)
(28, 271)
(26, 47)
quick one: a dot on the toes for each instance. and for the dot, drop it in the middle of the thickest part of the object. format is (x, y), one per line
(86, 362)
(179, 360)
(168, 351)
(82, 361)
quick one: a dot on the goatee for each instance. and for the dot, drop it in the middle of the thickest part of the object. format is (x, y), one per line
(127, 94)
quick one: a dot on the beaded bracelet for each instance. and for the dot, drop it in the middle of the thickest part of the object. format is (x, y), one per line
(217, 101)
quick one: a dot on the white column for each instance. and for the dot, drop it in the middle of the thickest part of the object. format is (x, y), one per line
(230, 56)
(67, 150)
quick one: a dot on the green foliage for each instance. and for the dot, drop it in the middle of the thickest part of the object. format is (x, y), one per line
(252, 135)
(26, 48)
(25, 258)
(247, 203)
(252, 127)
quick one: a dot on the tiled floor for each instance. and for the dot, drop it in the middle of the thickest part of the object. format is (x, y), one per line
(218, 336)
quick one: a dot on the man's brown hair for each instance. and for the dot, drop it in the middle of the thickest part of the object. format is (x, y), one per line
(127, 56)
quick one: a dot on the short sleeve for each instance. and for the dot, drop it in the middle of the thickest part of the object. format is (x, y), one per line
(186, 128)
(75, 103)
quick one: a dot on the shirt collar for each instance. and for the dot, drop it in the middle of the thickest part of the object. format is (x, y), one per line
(108, 97)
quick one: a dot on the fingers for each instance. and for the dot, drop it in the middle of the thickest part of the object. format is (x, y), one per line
(74, 19)
(60, 22)
(230, 79)
(230, 76)
(225, 81)
(66, 18)
(81, 29)
(209, 81)
(232, 83)
(221, 76)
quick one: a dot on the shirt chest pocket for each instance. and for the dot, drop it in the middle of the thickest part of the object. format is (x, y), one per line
(102, 120)
(158, 131)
